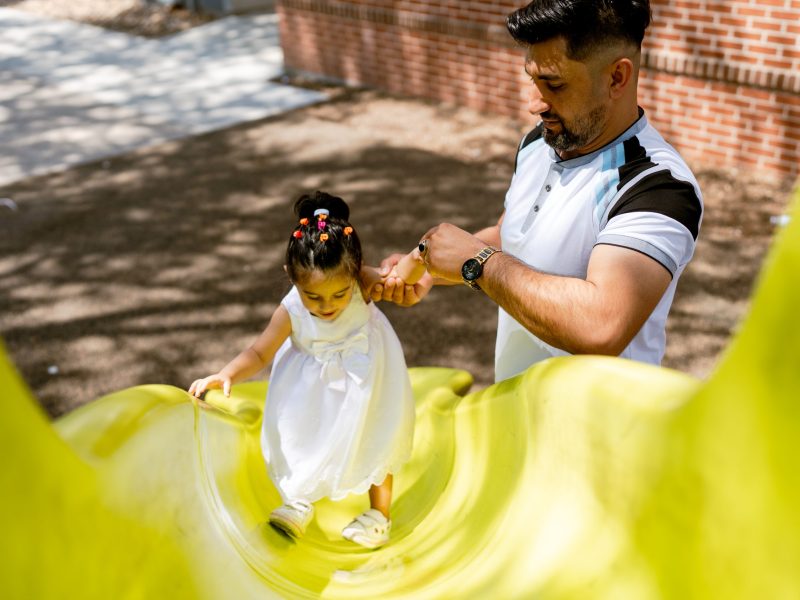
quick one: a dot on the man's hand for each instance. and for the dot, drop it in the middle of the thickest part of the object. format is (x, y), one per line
(448, 248)
(395, 289)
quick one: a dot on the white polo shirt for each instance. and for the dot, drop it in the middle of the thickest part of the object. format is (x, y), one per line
(636, 192)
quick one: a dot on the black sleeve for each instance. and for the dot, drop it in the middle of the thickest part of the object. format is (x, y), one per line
(662, 193)
(533, 135)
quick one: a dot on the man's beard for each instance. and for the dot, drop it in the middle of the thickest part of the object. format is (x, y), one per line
(579, 133)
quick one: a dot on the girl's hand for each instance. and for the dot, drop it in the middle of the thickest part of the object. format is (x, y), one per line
(216, 381)
(370, 277)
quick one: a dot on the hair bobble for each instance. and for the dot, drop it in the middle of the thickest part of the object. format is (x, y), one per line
(304, 221)
(348, 230)
(323, 237)
(297, 234)
(321, 225)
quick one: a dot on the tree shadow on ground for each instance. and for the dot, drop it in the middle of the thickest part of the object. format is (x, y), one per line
(160, 265)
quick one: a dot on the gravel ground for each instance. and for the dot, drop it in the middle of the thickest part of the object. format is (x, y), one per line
(159, 265)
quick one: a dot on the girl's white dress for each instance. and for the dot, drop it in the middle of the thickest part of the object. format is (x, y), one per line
(339, 413)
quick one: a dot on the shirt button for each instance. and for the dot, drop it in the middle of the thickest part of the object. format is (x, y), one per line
(536, 208)
(547, 187)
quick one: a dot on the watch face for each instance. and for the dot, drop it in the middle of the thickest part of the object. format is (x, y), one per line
(471, 269)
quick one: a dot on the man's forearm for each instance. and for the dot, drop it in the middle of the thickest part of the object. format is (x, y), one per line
(565, 312)
(490, 236)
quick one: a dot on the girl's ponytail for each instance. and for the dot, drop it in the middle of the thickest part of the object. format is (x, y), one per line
(323, 238)
(306, 205)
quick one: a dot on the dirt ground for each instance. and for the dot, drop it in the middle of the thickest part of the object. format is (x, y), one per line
(138, 17)
(160, 265)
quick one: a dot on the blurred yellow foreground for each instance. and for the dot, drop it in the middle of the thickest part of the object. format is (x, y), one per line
(584, 477)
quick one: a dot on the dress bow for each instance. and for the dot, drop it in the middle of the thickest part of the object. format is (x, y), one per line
(342, 359)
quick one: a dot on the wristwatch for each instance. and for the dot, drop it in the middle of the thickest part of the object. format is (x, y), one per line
(472, 268)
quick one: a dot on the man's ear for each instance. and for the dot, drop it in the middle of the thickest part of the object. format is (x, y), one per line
(621, 77)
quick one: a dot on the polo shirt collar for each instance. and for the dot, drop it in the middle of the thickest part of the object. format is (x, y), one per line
(578, 161)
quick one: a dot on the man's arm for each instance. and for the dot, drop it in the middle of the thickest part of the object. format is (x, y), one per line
(395, 290)
(597, 315)
(490, 236)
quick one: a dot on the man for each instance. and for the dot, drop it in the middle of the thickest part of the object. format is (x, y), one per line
(601, 216)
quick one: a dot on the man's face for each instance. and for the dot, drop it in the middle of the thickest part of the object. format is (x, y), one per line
(568, 96)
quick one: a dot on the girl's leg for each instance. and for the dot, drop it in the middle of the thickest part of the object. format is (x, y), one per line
(380, 496)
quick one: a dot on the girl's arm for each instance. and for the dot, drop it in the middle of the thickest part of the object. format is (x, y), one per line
(250, 360)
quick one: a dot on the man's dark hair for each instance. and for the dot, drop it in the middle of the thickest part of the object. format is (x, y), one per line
(586, 25)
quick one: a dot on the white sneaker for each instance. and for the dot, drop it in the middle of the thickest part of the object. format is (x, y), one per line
(292, 518)
(370, 529)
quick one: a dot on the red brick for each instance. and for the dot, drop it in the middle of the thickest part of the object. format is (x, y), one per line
(782, 40)
(715, 32)
(759, 151)
(734, 22)
(788, 16)
(725, 143)
(767, 25)
(752, 36)
(790, 147)
(750, 11)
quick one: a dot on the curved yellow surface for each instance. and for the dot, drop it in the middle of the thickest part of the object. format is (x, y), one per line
(584, 477)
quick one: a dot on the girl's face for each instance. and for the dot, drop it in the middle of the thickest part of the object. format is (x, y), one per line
(326, 295)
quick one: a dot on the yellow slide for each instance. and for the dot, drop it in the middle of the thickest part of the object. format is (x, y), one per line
(585, 477)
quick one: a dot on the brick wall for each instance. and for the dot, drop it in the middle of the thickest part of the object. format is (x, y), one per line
(721, 80)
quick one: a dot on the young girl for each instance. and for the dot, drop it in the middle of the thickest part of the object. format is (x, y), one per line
(339, 414)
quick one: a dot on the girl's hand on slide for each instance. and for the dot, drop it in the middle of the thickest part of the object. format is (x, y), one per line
(216, 381)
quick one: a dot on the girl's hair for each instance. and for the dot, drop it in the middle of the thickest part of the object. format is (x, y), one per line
(323, 241)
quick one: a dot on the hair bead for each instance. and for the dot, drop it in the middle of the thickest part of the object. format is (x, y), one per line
(297, 234)
(323, 237)
(347, 230)
(304, 221)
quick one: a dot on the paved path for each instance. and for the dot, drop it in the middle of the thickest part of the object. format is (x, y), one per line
(71, 93)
